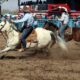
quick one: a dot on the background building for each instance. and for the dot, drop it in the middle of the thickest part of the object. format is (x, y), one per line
(13, 4)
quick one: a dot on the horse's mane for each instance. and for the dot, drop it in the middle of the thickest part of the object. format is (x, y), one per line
(53, 25)
(50, 26)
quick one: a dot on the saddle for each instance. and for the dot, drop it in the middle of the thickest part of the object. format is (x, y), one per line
(32, 37)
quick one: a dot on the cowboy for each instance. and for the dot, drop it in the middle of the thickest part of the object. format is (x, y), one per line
(64, 19)
(27, 27)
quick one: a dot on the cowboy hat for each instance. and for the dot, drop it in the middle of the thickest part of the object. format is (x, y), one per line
(64, 8)
(21, 7)
(26, 9)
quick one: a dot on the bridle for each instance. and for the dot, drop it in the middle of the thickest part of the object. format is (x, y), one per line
(2, 26)
(2, 32)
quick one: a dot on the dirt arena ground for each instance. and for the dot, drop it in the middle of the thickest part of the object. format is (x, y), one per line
(59, 65)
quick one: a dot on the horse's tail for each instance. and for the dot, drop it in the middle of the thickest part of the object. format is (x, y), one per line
(55, 38)
(62, 43)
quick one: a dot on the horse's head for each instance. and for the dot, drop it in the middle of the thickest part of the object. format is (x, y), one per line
(4, 25)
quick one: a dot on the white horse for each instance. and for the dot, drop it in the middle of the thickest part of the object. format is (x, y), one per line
(44, 37)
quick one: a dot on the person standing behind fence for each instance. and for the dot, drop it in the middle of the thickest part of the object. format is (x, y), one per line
(27, 27)
(64, 18)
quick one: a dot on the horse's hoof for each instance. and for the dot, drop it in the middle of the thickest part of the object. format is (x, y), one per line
(2, 57)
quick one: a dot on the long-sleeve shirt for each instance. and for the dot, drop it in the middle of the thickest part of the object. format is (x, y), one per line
(27, 17)
(64, 17)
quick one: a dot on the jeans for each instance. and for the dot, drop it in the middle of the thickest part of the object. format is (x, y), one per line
(25, 33)
(62, 30)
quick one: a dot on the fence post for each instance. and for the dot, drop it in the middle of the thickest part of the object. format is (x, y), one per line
(19, 4)
(0, 8)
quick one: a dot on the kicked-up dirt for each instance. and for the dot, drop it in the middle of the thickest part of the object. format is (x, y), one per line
(58, 65)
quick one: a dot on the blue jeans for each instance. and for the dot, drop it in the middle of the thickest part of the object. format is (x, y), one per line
(62, 30)
(25, 33)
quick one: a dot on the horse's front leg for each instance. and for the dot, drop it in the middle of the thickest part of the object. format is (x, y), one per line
(5, 50)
